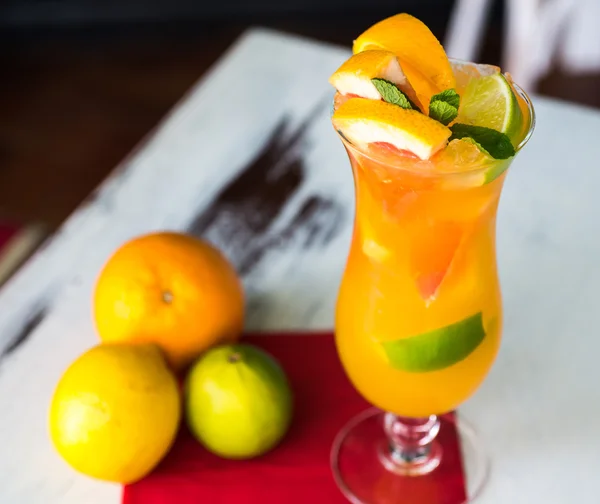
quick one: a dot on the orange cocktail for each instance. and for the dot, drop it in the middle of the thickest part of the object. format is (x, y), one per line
(419, 312)
(422, 260)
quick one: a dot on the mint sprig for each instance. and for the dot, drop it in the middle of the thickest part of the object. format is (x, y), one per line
(449, 96)
(392, 94)
(443, 107)
(442, 112)
(496, 144)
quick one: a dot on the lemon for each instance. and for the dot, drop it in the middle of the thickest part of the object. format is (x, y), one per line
(355, 76)
(238, 401)
(364, 121)
(115, 412)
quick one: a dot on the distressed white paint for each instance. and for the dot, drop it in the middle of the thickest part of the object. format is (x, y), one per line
(539, 406)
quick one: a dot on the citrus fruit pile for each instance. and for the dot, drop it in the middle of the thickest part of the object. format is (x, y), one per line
(167, 303)
(400, 93)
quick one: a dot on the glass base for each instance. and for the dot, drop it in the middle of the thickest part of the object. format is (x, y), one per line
(367, 471)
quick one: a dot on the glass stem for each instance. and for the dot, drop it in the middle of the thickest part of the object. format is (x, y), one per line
(412, 449)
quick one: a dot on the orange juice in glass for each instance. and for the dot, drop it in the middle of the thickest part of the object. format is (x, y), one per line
(419, 312)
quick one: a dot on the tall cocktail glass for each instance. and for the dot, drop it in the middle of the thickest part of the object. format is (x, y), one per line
(419, 320)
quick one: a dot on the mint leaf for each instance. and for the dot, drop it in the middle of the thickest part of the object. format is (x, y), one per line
(391, 94)
(442, 112)
(443, 107)
(449, 96)
(496, 144)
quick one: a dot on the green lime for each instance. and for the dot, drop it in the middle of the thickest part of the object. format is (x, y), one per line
(437, 349)
(238, 402)
(490, 102)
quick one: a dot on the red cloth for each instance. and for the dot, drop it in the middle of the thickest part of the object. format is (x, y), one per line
(297, 471)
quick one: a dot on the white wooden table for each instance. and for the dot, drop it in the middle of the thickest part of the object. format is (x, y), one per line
(262, 116)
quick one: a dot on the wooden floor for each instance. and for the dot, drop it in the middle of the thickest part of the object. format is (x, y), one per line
(72, 105)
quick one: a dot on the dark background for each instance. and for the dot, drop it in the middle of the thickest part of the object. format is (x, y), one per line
(44, 12)
(83, 81)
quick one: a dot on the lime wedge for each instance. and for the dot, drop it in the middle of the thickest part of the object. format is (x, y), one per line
(490, 102)
(436, 349)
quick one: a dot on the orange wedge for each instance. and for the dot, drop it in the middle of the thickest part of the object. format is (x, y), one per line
(363, 121)
(421, 56)
(354, 76)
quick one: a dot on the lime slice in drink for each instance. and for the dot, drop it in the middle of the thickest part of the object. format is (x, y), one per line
(490, 102)
(437, 349)
(464, 155)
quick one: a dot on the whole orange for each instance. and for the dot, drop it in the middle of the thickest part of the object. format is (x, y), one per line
(170, 289)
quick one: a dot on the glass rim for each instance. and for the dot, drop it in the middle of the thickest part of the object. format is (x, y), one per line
(532, 117)
(481, 167)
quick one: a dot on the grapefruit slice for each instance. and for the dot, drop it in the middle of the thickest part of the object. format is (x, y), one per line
(355, 76)
(363, 121)
(433, 249)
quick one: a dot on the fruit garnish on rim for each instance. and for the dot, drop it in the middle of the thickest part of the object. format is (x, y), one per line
(359, 75)
(400, 66)
(490, 102)
(465, 72)
(363, 121)
(421, 55)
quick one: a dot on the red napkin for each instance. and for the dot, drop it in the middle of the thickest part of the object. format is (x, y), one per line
(297, 471)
